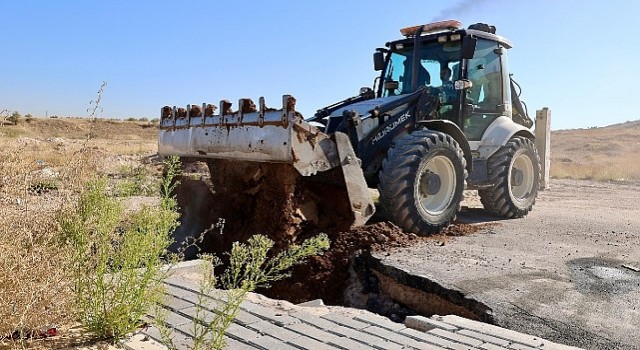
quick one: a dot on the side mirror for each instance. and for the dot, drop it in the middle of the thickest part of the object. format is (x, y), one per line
(378, 61)
(468, 47)
(391, 86)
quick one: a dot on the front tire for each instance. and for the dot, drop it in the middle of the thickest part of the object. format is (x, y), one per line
(422, 181)
(514, 171)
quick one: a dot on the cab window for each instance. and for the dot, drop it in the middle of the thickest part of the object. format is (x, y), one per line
(485, 73)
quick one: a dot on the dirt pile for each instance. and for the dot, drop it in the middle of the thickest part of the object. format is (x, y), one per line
(326, 277)
(256, 198)
(273, 200)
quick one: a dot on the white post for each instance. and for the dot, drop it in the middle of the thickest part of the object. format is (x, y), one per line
(543, 144)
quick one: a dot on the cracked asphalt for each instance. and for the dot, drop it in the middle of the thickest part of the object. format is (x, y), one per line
(568, 272)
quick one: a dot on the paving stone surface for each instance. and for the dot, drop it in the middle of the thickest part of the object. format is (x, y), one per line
(264, 323)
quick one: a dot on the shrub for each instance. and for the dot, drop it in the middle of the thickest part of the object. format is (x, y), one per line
(117, 256)
(250, 267)
(136, 182)
(14, 118)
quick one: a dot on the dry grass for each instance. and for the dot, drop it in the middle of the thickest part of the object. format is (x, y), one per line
(102, 129)
(609, 154)
(44, 165)
(33, 288)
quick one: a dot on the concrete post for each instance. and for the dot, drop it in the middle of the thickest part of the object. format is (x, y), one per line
(543, 144)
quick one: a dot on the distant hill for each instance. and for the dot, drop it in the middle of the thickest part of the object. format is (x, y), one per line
(603, 153)
(628, 124)
(77, 128)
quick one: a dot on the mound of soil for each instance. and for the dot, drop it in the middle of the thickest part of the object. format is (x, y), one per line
(273, 200)
(257, 198)
(325, 277)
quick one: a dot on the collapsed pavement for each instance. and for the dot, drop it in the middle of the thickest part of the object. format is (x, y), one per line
(568, 272)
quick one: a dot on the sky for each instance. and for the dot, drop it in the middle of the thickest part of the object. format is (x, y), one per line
(576, 57)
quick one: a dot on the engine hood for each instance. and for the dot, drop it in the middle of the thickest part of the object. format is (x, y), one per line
(363, 107)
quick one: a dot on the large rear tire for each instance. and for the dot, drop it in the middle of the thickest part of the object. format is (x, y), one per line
(422, 181)
(514, 171)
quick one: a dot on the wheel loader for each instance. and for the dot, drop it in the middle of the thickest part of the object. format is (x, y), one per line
(442, 116)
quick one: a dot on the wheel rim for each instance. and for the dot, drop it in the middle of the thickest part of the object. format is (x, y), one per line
(521, 178)
(436, 185)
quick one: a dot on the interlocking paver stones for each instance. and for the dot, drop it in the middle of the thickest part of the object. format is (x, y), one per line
(311, 331)
(314, 319)
(484, 337)
(181, 283)
(458, 338)
(326, 337)
(180, 340)
(180, 293)
(233, 344)
(339, 330)
(307, 343)
(138, 341)
(273, 330)
(396, 337)
(345, 321)
(244, 318)
(378, 320)
(432, 339)
(175, 303)
(488, 346)
(278, 317)
(241, 333)
(203, 314)
(425, 324)
(495, 331)
(177, 321)
(366, 338)
(516, 346)
(269, 343)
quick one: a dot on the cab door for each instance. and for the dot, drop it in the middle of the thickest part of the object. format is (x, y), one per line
(487, 98)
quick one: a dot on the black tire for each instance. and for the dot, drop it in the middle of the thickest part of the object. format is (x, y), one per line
(514, 172)
(422, 181)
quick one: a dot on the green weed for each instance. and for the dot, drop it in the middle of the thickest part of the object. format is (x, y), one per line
(117, 257)
(250, 267)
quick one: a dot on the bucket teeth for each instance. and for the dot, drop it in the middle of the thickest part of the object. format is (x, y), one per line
(288, 103)
(195, 111)
(210, 110)
(181, 113)
(225, 107)
(166, 112)
(247, 106)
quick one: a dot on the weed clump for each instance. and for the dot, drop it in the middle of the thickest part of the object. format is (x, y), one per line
(250, 266)
(116, 257)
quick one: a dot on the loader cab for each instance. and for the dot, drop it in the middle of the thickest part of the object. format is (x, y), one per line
(466, 69)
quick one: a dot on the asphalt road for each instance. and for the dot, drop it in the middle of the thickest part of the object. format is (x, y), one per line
(566, 272)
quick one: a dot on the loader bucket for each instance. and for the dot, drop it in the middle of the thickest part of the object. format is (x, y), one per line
(257, 147)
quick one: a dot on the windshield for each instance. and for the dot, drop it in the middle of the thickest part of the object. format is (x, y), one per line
(435, 58)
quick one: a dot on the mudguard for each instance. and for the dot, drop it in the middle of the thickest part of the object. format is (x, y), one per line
(499, 132)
